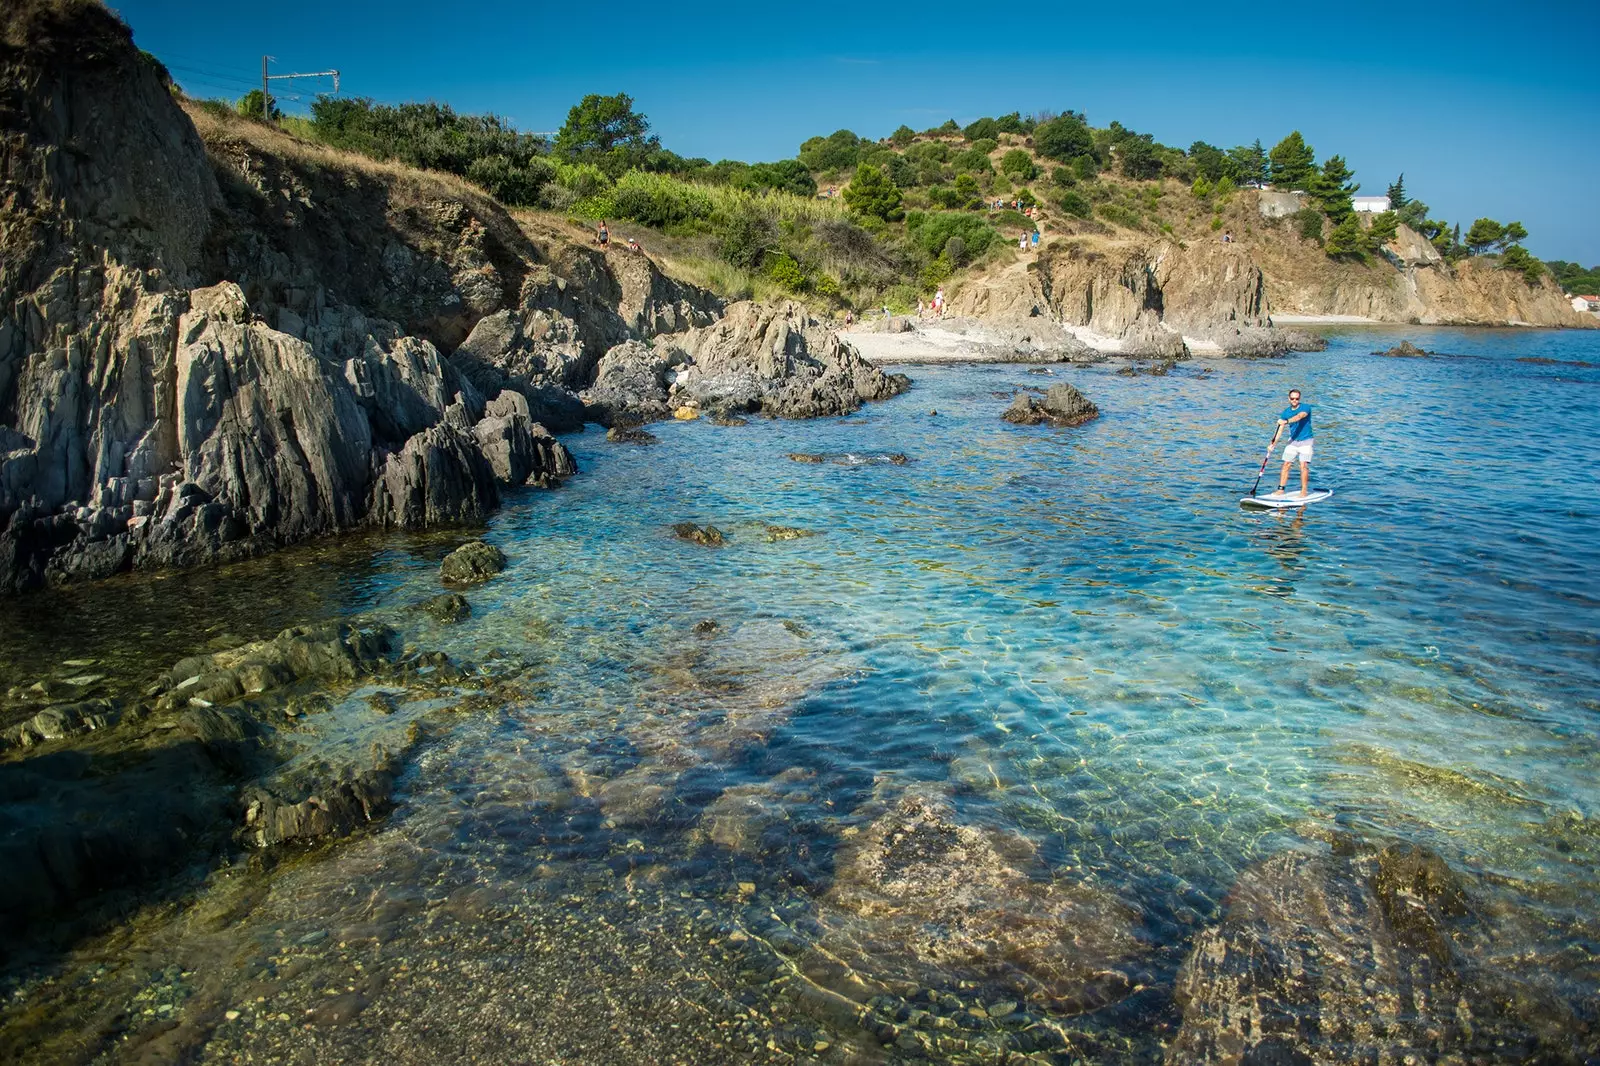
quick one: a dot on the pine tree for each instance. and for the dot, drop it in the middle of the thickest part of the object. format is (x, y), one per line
(1332, 189)
(1397, 194)
(872, 193)
(1294, 165)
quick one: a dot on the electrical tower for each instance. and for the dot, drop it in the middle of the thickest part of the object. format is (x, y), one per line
(266, 92)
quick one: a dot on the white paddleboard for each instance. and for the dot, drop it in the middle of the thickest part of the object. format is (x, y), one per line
(1288, 499)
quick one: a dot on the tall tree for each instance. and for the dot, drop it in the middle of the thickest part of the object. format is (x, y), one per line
(1293, 163)
(1514, 234)
(1332, 188)
(1063, 138)
(1484, 234)
(608, 132)
(1397, 194)
(1250, 161)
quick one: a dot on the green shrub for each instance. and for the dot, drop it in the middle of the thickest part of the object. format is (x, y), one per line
(1216, 223)
(1018, 163)
(872, 194)
(972, 161)
(785, 271)
(1027, 198)
(582, 179)
(509, 183)
(1308, 221)
(591, 208)
(1063, 177)
(984, 145)
(1086, 167)
(1347, 239)
(1121, 215)
(1072, 202)
(840, 150)
(934, 274)
(1201, 188)
(1063, 139)
(659, 200)
(1385, 226)
(933, 232)
(968, 193)
(902, 136)
(744, 234)
(981, 130)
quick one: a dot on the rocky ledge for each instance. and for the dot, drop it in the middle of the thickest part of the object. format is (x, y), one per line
(773, 358)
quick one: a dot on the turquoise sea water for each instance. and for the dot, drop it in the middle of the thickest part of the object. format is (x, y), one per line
(1077, 636)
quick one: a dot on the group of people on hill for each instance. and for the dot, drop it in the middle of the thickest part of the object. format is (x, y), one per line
(602, 237)
(935, 307)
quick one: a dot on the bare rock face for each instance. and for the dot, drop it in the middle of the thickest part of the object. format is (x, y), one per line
(778, 359)
(1334, 959)
(439, 477)
(918, 896)
(630, 386)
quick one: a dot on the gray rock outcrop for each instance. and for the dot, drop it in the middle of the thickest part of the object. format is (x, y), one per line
(1063, 405)
(153, 419)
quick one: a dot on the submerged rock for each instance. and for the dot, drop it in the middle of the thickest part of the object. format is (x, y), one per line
(777, 533)
(1407, 350)
(447, 607)
(710, 536)
(1063, 405)
(630, 435)
(473, 562)
(317, 803)
(851, 458)
(918, 896)
(1348, 958)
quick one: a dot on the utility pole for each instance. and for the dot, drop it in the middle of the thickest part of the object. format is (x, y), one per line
(266, 100)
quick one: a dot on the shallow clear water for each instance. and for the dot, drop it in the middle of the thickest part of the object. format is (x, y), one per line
(1077, 636)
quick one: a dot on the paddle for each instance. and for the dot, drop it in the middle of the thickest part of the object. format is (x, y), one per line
(1266, 459)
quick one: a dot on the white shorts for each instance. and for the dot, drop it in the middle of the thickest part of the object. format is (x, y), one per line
(1297, 450)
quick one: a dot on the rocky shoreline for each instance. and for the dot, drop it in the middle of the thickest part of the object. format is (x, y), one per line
(214, 346)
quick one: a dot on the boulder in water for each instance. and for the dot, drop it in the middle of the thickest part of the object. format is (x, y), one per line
(920, 897)
(471, 563)
(710, 536)
(1063, 405)
(1405, 349)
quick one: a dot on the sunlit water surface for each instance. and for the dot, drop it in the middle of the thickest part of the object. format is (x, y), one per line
(1075, 635)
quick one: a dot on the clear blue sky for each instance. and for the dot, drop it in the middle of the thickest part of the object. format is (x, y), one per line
(1489, 109)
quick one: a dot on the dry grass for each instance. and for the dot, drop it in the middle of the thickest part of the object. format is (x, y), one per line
(219, 131)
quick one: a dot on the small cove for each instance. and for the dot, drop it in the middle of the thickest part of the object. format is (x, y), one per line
(1076, 638)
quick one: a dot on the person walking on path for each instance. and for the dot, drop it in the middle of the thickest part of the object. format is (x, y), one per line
(602, 236)
(1296, 419)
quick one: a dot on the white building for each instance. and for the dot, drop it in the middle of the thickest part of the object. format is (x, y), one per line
(1586, 303)
(1375, 205)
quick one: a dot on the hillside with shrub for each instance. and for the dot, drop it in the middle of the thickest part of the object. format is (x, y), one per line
(852, 221)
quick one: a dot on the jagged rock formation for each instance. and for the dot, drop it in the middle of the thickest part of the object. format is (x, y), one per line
(773, 358)
(1063, 405)
(216, 339)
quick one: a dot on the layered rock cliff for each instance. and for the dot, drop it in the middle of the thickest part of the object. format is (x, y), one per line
(1153, 295)
(216, 339)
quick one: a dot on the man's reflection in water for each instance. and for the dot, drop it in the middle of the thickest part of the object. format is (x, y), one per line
(1287, 542)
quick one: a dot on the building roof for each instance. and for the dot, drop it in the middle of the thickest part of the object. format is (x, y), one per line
(1591, 299)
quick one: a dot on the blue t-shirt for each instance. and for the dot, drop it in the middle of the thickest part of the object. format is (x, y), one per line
(1300, 430)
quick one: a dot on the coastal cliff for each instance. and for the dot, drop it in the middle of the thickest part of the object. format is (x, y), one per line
(1162, 295)
(216, 339)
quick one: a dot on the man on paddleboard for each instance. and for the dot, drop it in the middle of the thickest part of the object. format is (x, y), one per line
(1294, 424)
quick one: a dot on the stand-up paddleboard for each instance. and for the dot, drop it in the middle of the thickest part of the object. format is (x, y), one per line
(1289, 499)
